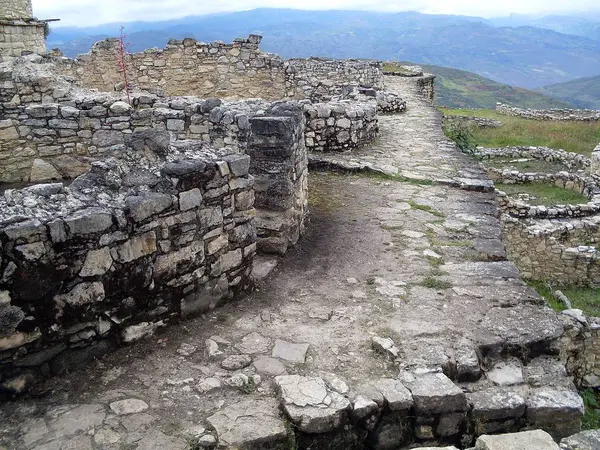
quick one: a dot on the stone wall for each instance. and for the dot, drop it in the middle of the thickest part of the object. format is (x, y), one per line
(322, 79)
(17, 36)
(426, 85)
(580, 347)
(60, 137)
(339, 126)
(579, 115)
(238, 70)
(595, 162)
(177, 219)
(15, 9)
(542, 257)
(570, 160)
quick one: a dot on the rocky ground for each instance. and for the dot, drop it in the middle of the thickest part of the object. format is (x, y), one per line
(398, 273)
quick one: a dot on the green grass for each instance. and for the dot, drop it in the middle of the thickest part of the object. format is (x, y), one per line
(545, 194)
(586, 299)
(435, 283)
(578, 137)
(396, 68)
(426, 208)
(591, 418)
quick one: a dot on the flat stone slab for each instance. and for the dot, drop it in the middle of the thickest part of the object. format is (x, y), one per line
(554, 405)
(289, 351)
(496, 404)
(395, 393)
(128, 406)
(269, 366)
(506, 373)
(434, 393)
(526, 440)
(310, 405)
(254, 343)
(248, 423)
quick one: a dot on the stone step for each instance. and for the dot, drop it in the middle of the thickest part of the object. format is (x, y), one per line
(527, 440)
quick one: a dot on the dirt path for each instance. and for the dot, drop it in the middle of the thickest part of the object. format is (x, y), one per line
(405, 258)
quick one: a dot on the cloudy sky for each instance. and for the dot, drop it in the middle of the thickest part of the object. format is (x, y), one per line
(93, 12)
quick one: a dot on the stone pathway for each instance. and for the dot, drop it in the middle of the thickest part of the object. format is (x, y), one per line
(397, 280)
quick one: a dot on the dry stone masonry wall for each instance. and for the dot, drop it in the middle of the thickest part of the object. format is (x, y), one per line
(19, 31)
(178, 219)
(53, 131)
(339, 126)
(320, 79)
(188, 67)
(580, 115)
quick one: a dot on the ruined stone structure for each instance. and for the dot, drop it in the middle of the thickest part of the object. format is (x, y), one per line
(380, 332)
(177, 221)
(580, 115)
(19, 31)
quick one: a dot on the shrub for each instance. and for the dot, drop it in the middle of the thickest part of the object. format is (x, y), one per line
(462, 136)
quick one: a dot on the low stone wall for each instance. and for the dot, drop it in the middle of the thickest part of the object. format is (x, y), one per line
(238, 70)
(426, 85)
(18, 36)
(541, 256)
(177, 220)
(580, 347)
(479, 122)
(569, 159)
(595, 162)
(567, 180)
(16, 9)
(323, 79)
(339, 126)
(60, 137)
(577, 115)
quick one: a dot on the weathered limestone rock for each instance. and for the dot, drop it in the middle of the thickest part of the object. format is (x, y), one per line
(586, 440)
(396, 395)
(506, 373)
(310, 405)
(558, 411)
(269, 366)
(249, 423)
(43, 171)
(526, 440)
(434, 393)
(236, 362)
(128, 406)
(289, 351)
(254, 343)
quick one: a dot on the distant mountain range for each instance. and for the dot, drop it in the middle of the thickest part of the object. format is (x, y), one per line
(459, 89)
(518, 50)
(582, 93)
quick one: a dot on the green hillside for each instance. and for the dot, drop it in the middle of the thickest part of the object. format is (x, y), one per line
(460, 89)
(583, 92)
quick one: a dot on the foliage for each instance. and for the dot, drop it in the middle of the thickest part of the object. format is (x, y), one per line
(435, 283)
(591, 418)
(578, 137)
(586, 299)
(47, 30)
(462, 136)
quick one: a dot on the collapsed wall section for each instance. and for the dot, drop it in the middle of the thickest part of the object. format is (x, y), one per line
(237, 70)
(178, 220)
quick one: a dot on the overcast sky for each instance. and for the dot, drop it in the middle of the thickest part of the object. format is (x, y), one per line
(94, 12)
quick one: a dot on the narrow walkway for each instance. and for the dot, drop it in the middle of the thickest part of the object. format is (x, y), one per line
(414, 261)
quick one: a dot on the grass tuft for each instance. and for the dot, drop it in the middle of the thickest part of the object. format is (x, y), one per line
(544, 193)
(435, 283)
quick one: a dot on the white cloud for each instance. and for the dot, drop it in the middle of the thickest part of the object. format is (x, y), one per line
(93, 12)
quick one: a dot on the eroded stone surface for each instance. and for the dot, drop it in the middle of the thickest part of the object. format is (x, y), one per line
(310, 405)
(526, 440)
(251, 422)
